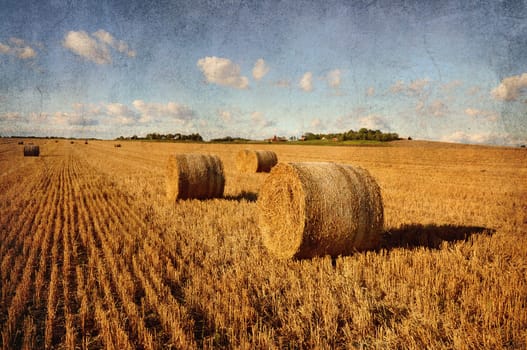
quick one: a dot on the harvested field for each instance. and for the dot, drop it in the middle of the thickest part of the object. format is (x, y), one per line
(93, 255)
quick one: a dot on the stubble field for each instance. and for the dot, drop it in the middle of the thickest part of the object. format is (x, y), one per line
(92, 255)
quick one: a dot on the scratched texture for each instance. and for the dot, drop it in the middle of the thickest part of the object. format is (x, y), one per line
(448, 70)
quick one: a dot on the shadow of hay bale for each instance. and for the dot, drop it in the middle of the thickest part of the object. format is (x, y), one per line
(243, 195)
(429, 236)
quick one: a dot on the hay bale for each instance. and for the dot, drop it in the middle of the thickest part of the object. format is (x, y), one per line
(31, 151)
(197, 176)
(250, 161)
(317, 209)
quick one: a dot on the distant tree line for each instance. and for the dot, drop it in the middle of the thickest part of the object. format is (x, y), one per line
(362, 134)
(173, 137)
(229, 139)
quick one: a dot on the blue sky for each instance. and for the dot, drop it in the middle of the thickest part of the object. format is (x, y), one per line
(451, 70)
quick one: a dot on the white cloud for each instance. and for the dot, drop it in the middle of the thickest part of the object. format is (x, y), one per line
(82, 44)
(438, 109)
(4, 49)
(306, 82)
(222, 71)
(226, 116)
(451, 86)
(82, 115)
(17, 41)
(260, 69)
(317, 124)
(18, 48)
(414, 88)
(478, 113)
(118, 45)
(370, 91)
(259, 119)
(374, 122)
(66, 118)
(397, 87)
(334, 79)
(479, 138)
(95, 48)
(510, 88)
(10, 117)
(418, 86)
(122, 114)
(158, 111)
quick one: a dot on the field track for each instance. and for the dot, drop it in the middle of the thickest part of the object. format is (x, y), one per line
(92, 256)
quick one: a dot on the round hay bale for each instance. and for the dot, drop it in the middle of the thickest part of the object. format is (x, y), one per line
(197, 176)
(31, 151)
(317, 209)
(250, 161)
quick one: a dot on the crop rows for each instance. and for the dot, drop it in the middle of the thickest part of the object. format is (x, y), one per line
(81, 269)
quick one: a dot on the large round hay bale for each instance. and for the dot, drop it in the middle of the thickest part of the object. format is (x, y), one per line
(250, 161)
(31, 151)
(197, 176)
(317, 209)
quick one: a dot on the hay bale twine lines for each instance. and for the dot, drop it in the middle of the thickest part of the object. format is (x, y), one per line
(31, 150)
(317, 209)
(197, 176)
(250, 161)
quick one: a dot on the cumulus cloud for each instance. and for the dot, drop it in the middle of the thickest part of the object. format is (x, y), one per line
(260, 69)
(397, 87)
(436, 108)
(510, 88)
(226, 116)
(259, 119)
(477, 138)
(82, 115)
(19, 48)
(451, 86)
(122, 114)
(74, 119)
(10, 117)
(414, 88)
(118, 45)
(82, 44)
(158, 111)
(306, 82)
(95, 48)
(417, 87)
(374, 122)
(333, 78)
(479, 113)
(222, 71)
(4, 49)
(317, 124)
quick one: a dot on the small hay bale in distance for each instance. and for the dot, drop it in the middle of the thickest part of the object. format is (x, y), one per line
(249, 161)
(198, 176)
(317, 209)
(31, 151)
